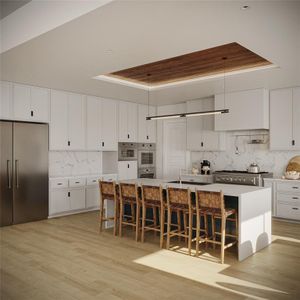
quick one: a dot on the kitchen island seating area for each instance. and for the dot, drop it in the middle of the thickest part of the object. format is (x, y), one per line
(197, 215)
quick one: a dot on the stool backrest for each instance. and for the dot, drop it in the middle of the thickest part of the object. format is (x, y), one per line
(152, 194)
(207, 199)
(178, 196)
(128, 191)
(108, 190)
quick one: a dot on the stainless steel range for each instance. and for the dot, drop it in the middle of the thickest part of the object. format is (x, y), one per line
(241, 177)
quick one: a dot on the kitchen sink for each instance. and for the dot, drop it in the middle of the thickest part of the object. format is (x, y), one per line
(189, 182)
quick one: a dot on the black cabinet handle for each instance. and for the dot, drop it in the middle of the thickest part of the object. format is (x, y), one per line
(69, 194)
(128, 166)
(147, 137)
(69, 143)
(128, 136)
(31, 113)
(102, 144)
(202, 144)
(293, 143)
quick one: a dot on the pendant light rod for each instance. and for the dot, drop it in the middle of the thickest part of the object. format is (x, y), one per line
(191, 114)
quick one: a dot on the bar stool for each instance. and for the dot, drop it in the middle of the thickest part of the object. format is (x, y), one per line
(129, 195)
(213, 204)
(179, 200)
(108, 192)
(152, 197)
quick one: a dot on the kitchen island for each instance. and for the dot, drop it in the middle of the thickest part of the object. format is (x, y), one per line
(254, 206)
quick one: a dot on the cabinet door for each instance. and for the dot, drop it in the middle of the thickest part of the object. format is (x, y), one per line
(296, 118)
(132, 122)
(21, 102)
(59, 121)
(76, 124)
(281, 122)
(40, 104)
(132, 170)
(194, 127)
(6, 100)
(109, 125)
(77, 199)
(211, 141)
(93, 124)
(151, 126)
(123, 128)
(142, 123)
(123, 167)
(59, 201)
(92, 197)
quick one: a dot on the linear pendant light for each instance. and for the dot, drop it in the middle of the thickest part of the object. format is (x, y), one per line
(190, 114)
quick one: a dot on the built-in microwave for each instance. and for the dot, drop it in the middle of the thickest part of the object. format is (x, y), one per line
(127, 151)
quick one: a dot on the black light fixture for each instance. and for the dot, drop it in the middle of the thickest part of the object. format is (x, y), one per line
(191, 114)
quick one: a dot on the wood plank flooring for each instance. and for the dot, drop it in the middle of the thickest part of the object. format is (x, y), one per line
(66, 258)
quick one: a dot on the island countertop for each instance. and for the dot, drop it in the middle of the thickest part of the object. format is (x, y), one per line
(234, 190)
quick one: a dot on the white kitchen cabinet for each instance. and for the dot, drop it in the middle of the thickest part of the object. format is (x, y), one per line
(146, 128)
(59, 201)
(284, 119)
(127, 170)
(101, 131)
(6, 107)
(248, 110)
(77, 198)
(67, 126)
(92, 197)
(270, 183)
(128, 122)
(200, 130)
(31, 103)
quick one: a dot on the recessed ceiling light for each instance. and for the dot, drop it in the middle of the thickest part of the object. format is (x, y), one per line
(244, 7)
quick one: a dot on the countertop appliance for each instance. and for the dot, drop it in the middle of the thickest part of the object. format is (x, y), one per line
(127, 151)
(146, 160)
(241, 177)
(24, 172)
(253, 168)
(205, 167)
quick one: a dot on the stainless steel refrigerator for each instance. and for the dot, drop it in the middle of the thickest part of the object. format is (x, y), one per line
(23, 172)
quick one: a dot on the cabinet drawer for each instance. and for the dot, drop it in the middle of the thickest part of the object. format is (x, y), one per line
(288, 211)
(58, 183)
(289, 199)
(110, 177)
(293, 186)
(92, 180)
(76, 182)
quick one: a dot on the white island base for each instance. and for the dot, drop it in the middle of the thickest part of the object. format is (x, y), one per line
(254, 211)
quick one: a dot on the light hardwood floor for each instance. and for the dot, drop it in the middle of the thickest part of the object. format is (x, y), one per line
(66, 258)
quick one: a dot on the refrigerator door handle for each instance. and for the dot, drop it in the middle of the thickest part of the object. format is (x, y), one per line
(8, 173)
(17, 172)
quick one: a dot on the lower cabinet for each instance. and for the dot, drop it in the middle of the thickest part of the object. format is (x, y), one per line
(127, 170)
(92, 197)
(77, 199)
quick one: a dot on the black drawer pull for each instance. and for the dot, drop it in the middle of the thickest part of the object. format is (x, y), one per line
(94, 180)
(59, 183)
(77, 181)
(295, 187)
(295, 208)
(295, 197)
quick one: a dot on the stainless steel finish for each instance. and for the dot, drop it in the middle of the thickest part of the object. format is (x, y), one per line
(253, 168)
(146, 155)
(255, 179)
(6, 191)
(28, 197)
(146, 173)
(127, 151)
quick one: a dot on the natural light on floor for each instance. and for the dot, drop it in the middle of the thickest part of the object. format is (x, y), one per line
(202, 270)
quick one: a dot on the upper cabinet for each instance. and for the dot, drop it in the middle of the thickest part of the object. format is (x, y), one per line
(146, 128)
(128, 122)
(284, 119)
(200, 130)
(67, 126)
(248, 110)
(101, 131)
(6, 108)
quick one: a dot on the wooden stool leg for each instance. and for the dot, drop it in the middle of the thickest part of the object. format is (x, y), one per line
(115, 216)
(137, 222)
(143, 222)
(190, 232)
(213, 228)
(236, 227)
(223, 228)
(154, 219)
(185, 227)
(168, 228)
(197, 232)
(121, 218)
(162, 225)
(206, 228)
(101, 215)
(179, 223)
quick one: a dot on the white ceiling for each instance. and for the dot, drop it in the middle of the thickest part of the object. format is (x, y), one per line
(124, 34)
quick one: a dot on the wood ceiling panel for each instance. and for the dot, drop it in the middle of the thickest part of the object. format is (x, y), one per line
(196, 64)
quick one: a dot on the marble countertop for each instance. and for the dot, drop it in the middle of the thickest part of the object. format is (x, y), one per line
(227, 189)
(81, 176)
(282, 179)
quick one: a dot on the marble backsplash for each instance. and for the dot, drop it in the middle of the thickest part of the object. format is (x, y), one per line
(68, 163)
(271, 161)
